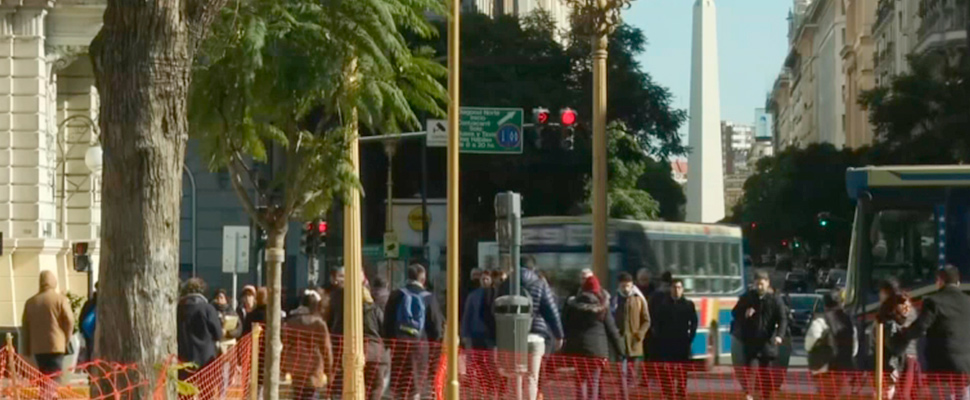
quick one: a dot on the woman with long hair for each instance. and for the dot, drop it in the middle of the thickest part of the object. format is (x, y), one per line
(900, 362)
(590, 334)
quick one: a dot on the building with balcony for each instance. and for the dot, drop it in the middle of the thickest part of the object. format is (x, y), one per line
(857, 69)
(829, 65)
(942, 32)
(895, 34)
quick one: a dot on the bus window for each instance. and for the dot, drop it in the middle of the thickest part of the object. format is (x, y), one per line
(717, 270)
(702, 268)
(657, 247)
(903, 244)
(686, 259)
(671, 256)
(734, 269)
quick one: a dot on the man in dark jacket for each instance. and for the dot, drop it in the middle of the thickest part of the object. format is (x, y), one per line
(945, 320)
(674, 327)
(546, 321)
(410, 361)
(762, 322)
(199, 327)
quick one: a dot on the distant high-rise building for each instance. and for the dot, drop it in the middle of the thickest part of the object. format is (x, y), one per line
(558, 9)
(736, 142)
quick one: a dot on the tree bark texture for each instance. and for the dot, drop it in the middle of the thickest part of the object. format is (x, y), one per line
(142, 59)
(273, 344)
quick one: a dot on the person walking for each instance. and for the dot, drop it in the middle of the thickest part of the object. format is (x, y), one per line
(762, 322)
(674, 327)
(87, 325)
(258, 313)
(546, 322)
(831, 344)
(945, 320)
(590, 333)
(632, 314)
(48, 323)
(377, 360)
(475, 334)
(900, 362)
(308, 351)
(413, 318)
(231, 324)
(199, 327)
(645, 282)
(247, 302)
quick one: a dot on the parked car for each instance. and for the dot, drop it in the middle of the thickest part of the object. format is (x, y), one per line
(797, 281)
(803, 309)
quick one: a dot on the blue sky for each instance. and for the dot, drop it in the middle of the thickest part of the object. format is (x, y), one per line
(752, 42)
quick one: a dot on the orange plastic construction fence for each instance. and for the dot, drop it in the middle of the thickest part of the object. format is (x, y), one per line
(409, 369)
(19, 379)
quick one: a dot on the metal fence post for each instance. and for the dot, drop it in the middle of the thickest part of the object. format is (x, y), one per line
(254, 363)
(879, 358)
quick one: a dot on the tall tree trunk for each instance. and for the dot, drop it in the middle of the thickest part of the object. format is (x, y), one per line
(275, 255)
(142, 58)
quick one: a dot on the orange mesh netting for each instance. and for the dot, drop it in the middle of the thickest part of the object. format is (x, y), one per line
(407, 369)
(94, 380)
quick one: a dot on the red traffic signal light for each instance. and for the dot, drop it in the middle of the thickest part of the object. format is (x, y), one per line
(541, 115)
(322, 227)
(754, 225)
(567, 116)
(784, 243)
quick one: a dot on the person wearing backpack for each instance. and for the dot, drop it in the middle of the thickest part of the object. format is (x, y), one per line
(831, 345)
(412, 319)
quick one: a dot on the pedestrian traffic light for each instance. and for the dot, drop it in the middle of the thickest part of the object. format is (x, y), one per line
(82, 261)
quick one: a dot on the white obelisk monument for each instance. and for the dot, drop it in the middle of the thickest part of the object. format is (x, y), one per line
(705, 176)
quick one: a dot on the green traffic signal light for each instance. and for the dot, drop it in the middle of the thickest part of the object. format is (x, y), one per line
(823, 223)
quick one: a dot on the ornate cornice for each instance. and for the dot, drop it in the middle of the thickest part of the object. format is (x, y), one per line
(61, 56)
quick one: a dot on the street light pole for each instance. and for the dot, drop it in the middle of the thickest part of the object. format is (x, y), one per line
(600, 208)
(451, 331)
(598, 18)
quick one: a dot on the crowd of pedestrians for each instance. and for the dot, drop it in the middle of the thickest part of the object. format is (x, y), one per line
(647, 326)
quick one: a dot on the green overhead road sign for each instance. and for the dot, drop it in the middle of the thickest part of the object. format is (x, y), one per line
(484, 130)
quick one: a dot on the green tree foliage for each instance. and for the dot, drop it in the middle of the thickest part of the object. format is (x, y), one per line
(297, 79)
(921, 117)
(788, 191)
(626, 164)
(512, 62)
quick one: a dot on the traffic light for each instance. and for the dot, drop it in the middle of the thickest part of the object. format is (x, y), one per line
(567, 120)
(823, 222)
(540, 118)
(784, 243)
(321, 241)
(754, 225)
(82, 261)
(308, 239)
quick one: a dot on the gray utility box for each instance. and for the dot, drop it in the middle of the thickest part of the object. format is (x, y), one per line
(513, 321)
